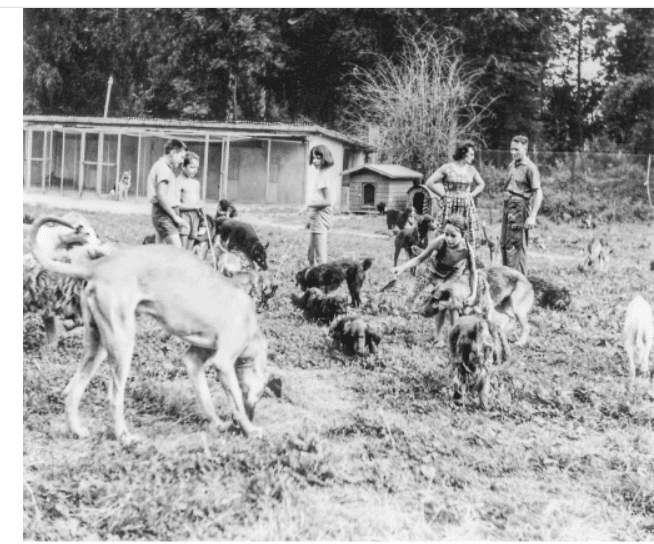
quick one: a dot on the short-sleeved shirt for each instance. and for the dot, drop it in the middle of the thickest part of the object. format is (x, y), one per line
(321, 219)
(162, 171)
(523, 178)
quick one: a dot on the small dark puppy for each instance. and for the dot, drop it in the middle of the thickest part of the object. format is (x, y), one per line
(391, 218)
(226, 209)
(149, 239)
(355, 336)
(417, 236)
(381, 208)
(330, 276)
(239, 236)
(318, 306)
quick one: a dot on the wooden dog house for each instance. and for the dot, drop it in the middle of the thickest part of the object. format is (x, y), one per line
(423, 200)
(370, 184)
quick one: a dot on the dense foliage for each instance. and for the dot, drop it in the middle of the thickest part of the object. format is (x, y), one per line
(298, 65)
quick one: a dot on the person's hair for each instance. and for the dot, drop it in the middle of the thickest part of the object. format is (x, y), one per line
(175, 145)
(324, 152)
(457, 221)
(523, 140)
(191, 156)
(462, 150)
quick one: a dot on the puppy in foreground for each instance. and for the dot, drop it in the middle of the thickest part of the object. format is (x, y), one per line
(355, 335)
(190, 300)
(639, 336)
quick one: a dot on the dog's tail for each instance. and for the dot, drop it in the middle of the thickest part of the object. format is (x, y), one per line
(366, 264)
(67, 269)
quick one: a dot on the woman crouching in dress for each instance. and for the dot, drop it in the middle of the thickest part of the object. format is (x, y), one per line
(453, 182)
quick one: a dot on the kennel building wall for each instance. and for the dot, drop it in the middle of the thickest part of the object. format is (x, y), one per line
(255, 163)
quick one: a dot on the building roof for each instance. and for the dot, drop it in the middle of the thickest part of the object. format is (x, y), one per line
(218, 128)
(391, 171)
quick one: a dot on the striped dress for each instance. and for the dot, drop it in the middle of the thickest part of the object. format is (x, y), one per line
(458, 185)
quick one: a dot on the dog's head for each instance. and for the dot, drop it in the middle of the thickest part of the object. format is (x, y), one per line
(301, 278)
(425, 224)
(451, 295)
(252, 373)
(226, 209)
(355, 335)
(259, 256)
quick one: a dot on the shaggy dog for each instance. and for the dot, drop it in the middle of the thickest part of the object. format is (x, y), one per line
(150, 239)
(355, 336)
(417, 236)
(239, 236)
(381, 208)
(475, 344)
(226, 209)
(318, 306)
(639, 336)
(330, 276)
(549, 295)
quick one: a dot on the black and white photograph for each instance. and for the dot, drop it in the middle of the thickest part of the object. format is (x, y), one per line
(337, 273)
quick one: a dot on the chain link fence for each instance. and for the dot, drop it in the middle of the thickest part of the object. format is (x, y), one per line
(608, 186)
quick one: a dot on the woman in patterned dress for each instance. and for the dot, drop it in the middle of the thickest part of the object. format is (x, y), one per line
(453, 182)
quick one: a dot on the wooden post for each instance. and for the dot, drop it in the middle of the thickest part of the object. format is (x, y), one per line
(63, 158)
(138, 166)
(98, 177)
(205, 172)
(268, 171)
(50, 163)
(28, 181)
(120, 133)
(45, 145)
(224, 188)
(81, 163)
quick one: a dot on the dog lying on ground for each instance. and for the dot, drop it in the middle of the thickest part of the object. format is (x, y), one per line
(355, 335)
(239, 236)
(639, 337)
(417, 236)
(511, 293)
(319, 307)
(330, 276)
(190, 300)
(597, 254)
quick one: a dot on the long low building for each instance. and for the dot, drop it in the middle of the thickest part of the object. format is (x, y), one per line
(254, 163)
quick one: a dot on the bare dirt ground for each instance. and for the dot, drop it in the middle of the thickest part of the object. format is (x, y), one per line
(359, 448)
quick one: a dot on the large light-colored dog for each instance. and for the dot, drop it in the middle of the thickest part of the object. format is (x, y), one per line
(639, 336)
(190, 300)
(510, 291)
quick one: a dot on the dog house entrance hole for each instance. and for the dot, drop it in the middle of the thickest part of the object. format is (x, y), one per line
(368, 194)
(419, 202)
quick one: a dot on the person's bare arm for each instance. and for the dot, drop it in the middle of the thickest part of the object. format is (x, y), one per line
(398, 270)
(538, 199)
(479, 185)
(163, 202)
(435, 183)
(472, 263)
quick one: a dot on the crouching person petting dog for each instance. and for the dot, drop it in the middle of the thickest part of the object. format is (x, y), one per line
(190, 300)
(453, 259)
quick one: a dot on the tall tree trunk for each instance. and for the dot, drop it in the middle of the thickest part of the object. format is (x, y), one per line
(580, 132)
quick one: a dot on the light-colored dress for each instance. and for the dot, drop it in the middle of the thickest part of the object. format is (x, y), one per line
(458, 185)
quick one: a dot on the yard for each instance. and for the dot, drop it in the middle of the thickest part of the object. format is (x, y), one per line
(361, 448)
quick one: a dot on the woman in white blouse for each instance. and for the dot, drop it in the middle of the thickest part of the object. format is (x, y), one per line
(322, 178)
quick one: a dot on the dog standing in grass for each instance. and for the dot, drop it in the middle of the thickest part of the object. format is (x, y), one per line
(639, 336)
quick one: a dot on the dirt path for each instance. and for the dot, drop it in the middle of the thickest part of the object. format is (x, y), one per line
(142, 207)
